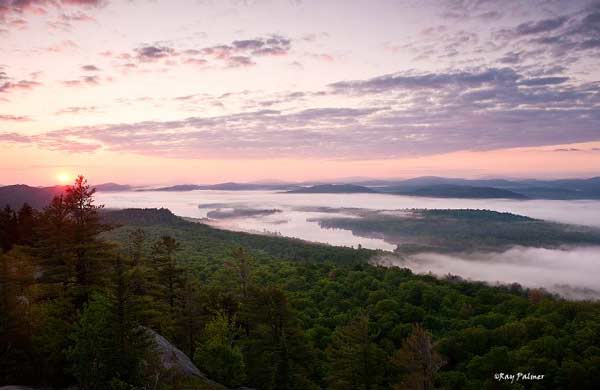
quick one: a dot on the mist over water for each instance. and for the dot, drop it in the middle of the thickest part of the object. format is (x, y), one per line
(580, 212)
(298, 211)
(571, 272)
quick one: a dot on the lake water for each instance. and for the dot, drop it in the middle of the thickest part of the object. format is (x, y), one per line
(571, 272)
(294, 220)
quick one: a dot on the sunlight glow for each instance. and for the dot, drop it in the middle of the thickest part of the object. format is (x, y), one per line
(64, 178)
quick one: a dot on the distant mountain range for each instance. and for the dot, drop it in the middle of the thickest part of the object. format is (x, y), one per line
(112, 187)
(224, 187)
(461, 191)
(493, 188)
(427, 186)
(333, 189)
(37, 197)
(40, 197)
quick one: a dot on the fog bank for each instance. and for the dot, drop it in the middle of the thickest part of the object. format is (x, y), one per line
(574, 273)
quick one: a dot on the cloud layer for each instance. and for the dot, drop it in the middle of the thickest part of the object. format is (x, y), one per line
(570, 272)
(409, 114)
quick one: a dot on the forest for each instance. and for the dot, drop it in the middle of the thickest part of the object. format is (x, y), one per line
(81, 288)
(461, 230)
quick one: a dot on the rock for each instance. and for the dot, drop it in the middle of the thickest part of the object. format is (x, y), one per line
(172, 358)
(16, 388)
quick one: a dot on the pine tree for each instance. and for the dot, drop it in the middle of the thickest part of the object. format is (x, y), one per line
(218, 355)
(137, 239)
(189, 313)
(8, 228)
(418, 359)
(276, 351)
(25, 224)
(52, 247)
(168, 272)
(356, 361)
(16, 319)
(87, 248)
(240, 264)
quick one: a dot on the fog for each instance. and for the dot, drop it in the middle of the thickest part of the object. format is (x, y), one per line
(570, 272)
(300, 211)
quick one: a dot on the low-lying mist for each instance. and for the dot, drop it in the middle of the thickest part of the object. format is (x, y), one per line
(570, 272)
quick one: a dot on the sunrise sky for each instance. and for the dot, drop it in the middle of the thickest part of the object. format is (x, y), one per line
(201, 91)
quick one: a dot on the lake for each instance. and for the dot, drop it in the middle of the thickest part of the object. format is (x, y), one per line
(571, 272)
(297, 215)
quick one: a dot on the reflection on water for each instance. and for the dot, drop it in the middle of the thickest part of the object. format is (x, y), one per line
(297, 210)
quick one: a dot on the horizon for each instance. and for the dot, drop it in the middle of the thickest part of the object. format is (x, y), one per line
(333, 181)
(259, 89)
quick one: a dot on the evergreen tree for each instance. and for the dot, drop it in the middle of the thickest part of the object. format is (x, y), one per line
(137, 239)
(240, 264)
(418, 360)
(107, 350)
(25, 224)
(17, 295)
(217, 354)
(8, 228)
(276, 351)
(168, 272)
(87, 248)
(189, 314)
(356, 362)
(53, 247)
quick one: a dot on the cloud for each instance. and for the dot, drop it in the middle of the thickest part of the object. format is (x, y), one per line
(479, 110)
(90, 68)
(62, 46)
(544, 81)
(462, 79)
(10, 8)
(570, 272)
(10, 86)
(390, 116)
(570, 36)
(14, 137)
(541, 26)
(236, 61)
(153, 53)
(238, 53)
(14, 118)
(242, 52)
(77, 110)
(82, 81)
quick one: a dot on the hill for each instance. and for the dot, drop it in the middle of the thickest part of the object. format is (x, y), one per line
(333, 189)
(462, 191)
(36, 197)
(462, 230)
(112, 187)
(207, 239)
(223, 187)
(456, 187)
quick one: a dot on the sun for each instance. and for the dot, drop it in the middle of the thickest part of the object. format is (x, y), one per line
(64, 178)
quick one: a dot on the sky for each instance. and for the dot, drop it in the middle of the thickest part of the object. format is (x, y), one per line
(206, 91)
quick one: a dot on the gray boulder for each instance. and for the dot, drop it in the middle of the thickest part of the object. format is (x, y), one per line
(16, 388)
(173, 359)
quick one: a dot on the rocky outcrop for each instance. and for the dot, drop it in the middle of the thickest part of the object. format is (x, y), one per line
(173, 359)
